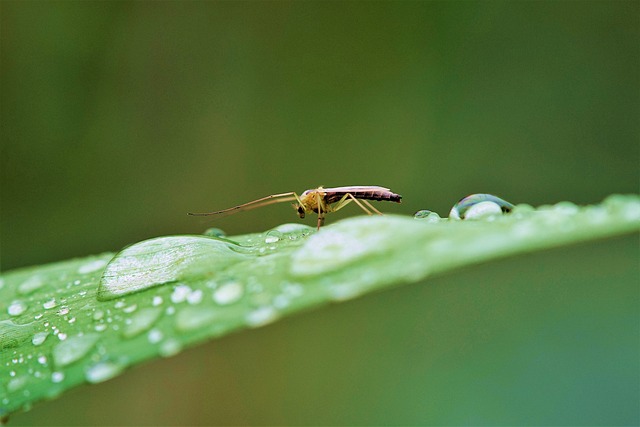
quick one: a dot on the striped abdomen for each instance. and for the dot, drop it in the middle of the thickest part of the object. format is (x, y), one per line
(334, 196)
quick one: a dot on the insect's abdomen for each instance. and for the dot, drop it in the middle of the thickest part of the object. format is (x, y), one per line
(368, 195)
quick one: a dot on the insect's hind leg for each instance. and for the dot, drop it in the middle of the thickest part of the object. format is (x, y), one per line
(370, 206)
(348, 198)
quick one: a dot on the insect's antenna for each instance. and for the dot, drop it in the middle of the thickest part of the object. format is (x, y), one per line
(269, 200)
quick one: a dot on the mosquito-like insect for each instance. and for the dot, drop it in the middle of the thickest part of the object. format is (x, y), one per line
(321, 200)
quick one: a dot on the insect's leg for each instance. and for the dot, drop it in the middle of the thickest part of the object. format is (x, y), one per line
(370, 206)
(320, 211)
(359, 203)
(344, 201)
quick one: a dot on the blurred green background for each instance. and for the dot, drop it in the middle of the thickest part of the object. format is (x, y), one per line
(117, 118)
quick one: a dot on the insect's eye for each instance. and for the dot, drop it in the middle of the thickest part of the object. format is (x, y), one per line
(300, 211)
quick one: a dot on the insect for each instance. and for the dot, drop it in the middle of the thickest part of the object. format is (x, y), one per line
(321, 200)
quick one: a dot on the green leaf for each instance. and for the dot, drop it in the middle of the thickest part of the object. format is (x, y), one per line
(86, 320)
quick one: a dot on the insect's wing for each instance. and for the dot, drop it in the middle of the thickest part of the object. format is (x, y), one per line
(269, 200)
(355, 189)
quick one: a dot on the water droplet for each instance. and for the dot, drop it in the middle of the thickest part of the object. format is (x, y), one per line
(130, 309)
(102, 371)
(214, 232)
(293, 231)
(477, 206)
(63, 311)
(92, 266)
(427, 216)
(39, 338)
(157, 300)
(16, 308)
(42, 360)
(30, 285)
(566, 208)
(195, 297)
(228, 293)
(180, 293)
(261, 316)
(155, 336)
(57, 377)
(98, 314)
(170, 347)
(50, 304)
(100, 327)
(62, 336)
(163, 260)
(73, 349)
(142, 321)
(273, 236)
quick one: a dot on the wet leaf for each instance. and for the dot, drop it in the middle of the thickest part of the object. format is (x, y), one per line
(87, 320)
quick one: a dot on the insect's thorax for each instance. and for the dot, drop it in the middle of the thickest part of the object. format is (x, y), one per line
(312, 199)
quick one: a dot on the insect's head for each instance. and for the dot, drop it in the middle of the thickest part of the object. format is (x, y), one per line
(299, 209)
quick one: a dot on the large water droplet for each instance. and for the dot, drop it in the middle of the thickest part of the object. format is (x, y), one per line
(191, 318)
(74, 349)
(261, 316)
(163, 260)
(102, 371)
(142, 321)
(16, 308)
(478, 206)
(427, 216)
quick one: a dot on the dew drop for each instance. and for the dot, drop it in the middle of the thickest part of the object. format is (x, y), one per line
(214, 232)
(98, 314)
(228, 293)
(130, 309)
(17, 383)
(180, 294)
(30, 285)
(273, 236)
(427, 216)
(142, 321)
(163, 260)
(39, 338)
(63, 311)
(157, 300)
(155, 336)
(102, 371)
(48, 305)
(195, 297)
(16, 308)
(170, 347)
(42, 360)
(73, 349)
(261, 316)
(477, 206)
(57, 377)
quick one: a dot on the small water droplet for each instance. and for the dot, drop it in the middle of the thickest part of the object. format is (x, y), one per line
(427, 216)
(142, 321)
(228, 293)
(170, 347)
(100, 327)
(30, 285)
(92, 266)
(130, 309)
(73, 349)
(62, 336)
(16, 308)
(195, 297)
(42, 360)
(98, 314)
(180, 294)
(214, 232)
(57, 377)
(477, 206)
(48, 305)
(63, 311)
(273, 236)
(102, 371)
(157, 300)
(163, 260)
(119, 304)
(261, 316)
(155, 336)
(39, 338)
